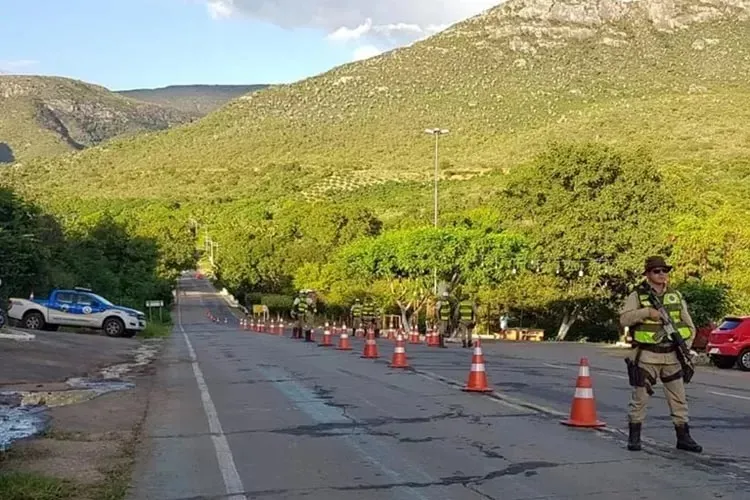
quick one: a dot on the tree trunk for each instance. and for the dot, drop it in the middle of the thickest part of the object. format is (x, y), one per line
(567, 322)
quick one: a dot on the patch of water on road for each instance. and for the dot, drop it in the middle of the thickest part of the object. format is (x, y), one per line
(20, 422)
(23, 414)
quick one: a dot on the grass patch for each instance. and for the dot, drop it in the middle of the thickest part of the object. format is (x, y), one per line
(26, 486)
(156, 330)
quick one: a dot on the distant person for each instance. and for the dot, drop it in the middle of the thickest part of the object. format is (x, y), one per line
(356, 316)
(467, 320)
(655, 353)
(445, 312)
(504, 322)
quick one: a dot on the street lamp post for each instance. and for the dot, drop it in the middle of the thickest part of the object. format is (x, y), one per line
(437, 132)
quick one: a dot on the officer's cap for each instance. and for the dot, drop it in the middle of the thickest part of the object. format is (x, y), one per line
(655, 262)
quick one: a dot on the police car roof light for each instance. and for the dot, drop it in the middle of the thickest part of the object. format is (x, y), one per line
(82, 289)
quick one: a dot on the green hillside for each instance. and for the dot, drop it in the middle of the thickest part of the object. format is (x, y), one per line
(44, 116)
(652, 87)
(195, 99)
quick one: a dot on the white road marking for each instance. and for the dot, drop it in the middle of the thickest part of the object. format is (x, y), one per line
(746, 398)
(232, 481)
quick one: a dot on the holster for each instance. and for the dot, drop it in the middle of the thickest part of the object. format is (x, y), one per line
(638, 377)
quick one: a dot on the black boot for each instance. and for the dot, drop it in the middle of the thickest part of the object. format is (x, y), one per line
(684, 441)
(634, 438)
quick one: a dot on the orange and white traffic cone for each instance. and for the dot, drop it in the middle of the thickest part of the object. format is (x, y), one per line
(477, 375)
(399, 354)
(280, 331)
(583, 409)
(344, 344)
(326, 337)
(371, 347)
(414, 335)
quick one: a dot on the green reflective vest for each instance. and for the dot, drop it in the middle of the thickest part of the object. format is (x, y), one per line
(302, 306)
(368, 310)
(357, 310)
(646, 332)
(445, 311)
(466, 310)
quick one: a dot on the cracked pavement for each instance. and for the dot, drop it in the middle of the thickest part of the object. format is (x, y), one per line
(303, 421)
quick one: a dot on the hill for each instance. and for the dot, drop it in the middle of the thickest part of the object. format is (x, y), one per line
(43, 116)
(664, 83)
(671, 76)
(195, 99)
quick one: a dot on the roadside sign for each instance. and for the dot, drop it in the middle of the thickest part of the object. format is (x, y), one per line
(154, 303)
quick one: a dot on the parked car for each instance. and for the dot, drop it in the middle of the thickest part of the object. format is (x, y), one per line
(729, 344)
(79, 307)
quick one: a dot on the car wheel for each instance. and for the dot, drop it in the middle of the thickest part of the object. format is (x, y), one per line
(724, 362)
(33, 321)
(113, 327)
(744, 360)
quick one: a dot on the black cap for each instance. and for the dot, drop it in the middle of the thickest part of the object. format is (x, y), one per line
(656, 262)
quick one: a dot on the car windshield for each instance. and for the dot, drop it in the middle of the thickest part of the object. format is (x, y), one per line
(101, 299)
(730, 324)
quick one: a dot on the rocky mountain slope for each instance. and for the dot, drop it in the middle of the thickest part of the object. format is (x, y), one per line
(195, 99)
(42, 116)
(669, 75)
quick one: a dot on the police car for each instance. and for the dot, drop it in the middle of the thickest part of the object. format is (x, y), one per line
(80, 308)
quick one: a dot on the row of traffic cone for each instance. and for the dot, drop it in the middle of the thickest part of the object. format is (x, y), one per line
(583, 409)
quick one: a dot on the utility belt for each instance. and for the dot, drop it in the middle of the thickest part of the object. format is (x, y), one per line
(657, 348)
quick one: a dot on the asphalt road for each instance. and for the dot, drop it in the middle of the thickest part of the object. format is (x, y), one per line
(243, 415)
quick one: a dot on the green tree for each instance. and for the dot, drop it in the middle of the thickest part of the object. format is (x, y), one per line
(593, 213)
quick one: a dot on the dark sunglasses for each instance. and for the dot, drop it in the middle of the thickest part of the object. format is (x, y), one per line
(660, 271)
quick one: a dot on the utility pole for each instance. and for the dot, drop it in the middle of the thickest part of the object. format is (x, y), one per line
(437, 132)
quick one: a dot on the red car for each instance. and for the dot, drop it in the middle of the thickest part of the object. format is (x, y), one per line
(729, 344)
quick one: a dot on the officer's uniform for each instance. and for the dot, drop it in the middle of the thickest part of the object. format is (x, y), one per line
(467, 319)
(299, 311)
(445, 317)
(357, 310)
(658, 358)
(370, 316)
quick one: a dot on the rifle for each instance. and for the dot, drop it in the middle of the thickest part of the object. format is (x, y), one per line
(682, 351)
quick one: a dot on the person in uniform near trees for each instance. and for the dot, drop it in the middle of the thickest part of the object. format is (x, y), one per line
(655, 354)
(356, 312)
(298, 307)
(308, 318)
(445, 313)
(466, 316)
(370, 315)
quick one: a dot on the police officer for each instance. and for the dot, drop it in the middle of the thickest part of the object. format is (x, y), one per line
(370, 315)
(309, 316)
(467, 319)
(445, 315)
(655, 354)
(356, 316)
(299, 308)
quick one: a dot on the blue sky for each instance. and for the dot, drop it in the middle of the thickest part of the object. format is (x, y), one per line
(125, 44)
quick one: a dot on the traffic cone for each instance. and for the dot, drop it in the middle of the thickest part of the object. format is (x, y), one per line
(280, 332)
(414, 336)
(477, 375)
(326, 337)
(399, 354)
(344, 344)
(583, 409)
(371, 347)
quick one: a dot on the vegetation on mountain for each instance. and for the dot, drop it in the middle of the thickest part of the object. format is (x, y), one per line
(582, 138)
(195, 99)
(44, 116)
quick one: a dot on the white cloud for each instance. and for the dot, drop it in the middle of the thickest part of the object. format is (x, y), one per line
(366, 52)
(17, 66)
(382, 23)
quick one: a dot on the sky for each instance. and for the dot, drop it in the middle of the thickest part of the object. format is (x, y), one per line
(126, 44)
